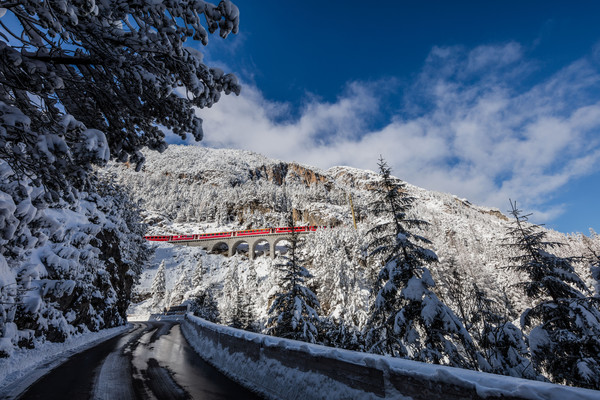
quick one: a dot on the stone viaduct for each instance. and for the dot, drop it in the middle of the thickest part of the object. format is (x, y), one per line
(232, 243)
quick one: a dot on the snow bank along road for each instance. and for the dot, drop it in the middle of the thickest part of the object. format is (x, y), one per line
(287, 369)
(151, 361)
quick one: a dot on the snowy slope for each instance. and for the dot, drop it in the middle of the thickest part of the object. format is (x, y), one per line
(192, 189)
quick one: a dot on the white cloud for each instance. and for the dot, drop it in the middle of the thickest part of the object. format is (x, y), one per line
(467, 127)
(484, 57)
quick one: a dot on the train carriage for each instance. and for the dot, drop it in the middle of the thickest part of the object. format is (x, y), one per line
(253, 232)
(216, 235)
(158, 238)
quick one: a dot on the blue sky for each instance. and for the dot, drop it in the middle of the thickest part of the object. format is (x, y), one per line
(486, 100)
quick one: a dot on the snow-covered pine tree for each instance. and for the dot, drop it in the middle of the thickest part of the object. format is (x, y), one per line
(502, 346)
(457, 291)
(294, 309)
(204, 305)
(87, 255)
(407, 318)
(593, 258)
(70, 57)
(252, 281)
(181, 287)
(248, 302)
(595, 269)
(197, 274)
(236, 313)
(230, 286)
(159, 287)
(564, 326)
(125, 215)
(341, 285)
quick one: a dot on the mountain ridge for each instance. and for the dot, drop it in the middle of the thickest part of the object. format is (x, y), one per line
(238, 190)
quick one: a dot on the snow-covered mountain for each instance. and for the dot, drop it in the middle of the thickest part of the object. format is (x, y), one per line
(190, 189)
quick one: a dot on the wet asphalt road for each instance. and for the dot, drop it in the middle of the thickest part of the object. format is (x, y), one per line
(151, 361)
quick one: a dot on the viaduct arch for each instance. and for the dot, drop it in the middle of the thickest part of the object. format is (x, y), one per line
(233, 242)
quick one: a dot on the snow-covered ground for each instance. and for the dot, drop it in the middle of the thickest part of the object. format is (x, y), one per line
(25, 366)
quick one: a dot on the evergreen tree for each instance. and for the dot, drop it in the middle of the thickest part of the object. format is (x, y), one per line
(205, 306)
(564, 325)
(407, 318)
(66, 58)
(457, 293)
(294, 309)
(593, 248)
(248, 301)
(252, 280)
(502, 345)
(233, 314)
(181, 287)
(339, 333)
(340, 279)
(595, 269)
(198, 274)
(159, 286)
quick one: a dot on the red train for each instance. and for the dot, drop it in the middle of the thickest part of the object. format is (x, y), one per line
(251, 232)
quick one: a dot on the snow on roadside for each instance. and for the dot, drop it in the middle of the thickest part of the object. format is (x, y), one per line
(274, 380)
(269, 378)
(25, 366)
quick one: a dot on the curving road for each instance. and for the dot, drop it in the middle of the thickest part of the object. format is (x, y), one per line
(151, 361)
